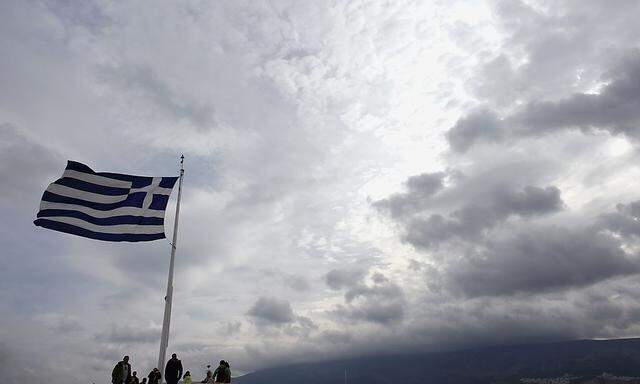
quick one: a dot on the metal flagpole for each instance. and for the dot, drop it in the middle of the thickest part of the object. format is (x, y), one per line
(164, 341)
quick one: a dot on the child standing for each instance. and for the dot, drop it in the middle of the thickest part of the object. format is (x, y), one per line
(186, 379)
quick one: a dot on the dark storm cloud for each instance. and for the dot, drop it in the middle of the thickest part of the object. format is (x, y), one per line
(336, 337)
(485, 258)
(539, 259)
(615, 109)
(420, 189)
(302, 327)
(488, 259)
(480, 211)
(480, 125)
(624, 222)
(381, 301)
(128, 335)
(553, 49)
(384, 313)
(272, 311)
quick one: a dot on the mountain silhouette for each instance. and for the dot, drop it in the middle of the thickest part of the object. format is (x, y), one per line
(505, 364)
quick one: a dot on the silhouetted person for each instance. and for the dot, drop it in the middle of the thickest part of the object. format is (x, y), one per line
(227, 372)
(134, 378)
(121, 372)
(144, 380)
(222, 373)
(155, 376)
(209, 377)
(173, 370)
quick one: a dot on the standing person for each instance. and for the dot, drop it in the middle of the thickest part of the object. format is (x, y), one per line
(134, 378)
(155, 376)
(222, 373)
(173, 370)
(121, 372)
(208, 379)
(218, 374)
(227, 372)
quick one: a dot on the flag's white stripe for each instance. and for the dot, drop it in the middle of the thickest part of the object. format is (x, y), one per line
(155, 191)
(134, 229)
(123, 211)
(95, 179)
(63, 190)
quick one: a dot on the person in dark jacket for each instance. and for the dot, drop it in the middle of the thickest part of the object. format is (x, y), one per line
(173, 370)
(154, 376)
(222, 374)
(227, 372)
(121, 373)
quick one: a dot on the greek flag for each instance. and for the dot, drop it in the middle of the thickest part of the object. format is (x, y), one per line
(106, 206)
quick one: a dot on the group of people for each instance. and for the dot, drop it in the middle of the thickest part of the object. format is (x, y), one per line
(173, 372)
(222, 374)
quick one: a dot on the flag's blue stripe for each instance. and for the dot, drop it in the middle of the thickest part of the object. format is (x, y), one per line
(75, 166)
(159, 202)
(114, 220)
(72, 229)
(120, 176)
(90, 187)
(141, 182)
(133, 200)
(168, 182)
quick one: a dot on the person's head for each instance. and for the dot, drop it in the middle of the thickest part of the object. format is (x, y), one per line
(155, 369)
(221, 362)
(187, 373)
(174, 356)
(144, 380)
(226, 363)
(135, 373)
(125, 359)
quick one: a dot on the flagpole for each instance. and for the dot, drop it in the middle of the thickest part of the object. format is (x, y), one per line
(164, 341)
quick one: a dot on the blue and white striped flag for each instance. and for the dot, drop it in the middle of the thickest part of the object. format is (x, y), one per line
(106, 206)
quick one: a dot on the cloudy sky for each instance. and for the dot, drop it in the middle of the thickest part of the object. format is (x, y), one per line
(361, 177)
